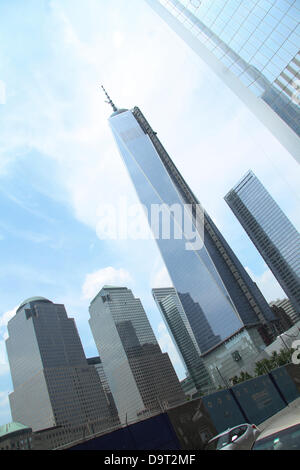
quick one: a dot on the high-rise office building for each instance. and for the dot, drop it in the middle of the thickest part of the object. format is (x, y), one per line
(96, 362)
(208, 371)
(287, 307)
(182, 334)
(276, 239)
(284, 322)
(253, 46)
(141, 377)
(53, 384)
(217, 295)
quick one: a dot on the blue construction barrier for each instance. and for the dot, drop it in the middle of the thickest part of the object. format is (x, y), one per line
(190, 425)
(259, 398)
(223, 410)
(294, 372)
(285, 384)
(154, 433)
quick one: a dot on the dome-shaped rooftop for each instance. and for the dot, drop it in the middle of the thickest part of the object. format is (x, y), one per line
(11, 428)
(33, 299)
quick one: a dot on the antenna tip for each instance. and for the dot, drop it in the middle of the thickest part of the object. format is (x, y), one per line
(109, 99)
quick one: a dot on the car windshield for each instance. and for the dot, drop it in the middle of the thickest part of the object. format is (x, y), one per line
(288, 439)
(218, 442)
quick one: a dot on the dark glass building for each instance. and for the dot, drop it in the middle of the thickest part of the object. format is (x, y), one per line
(53, 383)
(275, 237)
(181, 331)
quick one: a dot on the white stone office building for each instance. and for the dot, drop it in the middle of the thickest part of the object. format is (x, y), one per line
(53, 383)
(141, 377)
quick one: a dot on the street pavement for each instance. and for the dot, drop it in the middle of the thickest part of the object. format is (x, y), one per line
(285, 418)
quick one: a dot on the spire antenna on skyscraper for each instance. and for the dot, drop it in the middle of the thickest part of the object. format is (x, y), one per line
(109, 99)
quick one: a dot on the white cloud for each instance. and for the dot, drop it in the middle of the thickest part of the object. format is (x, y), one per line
(161, 278)
(4, 366)
(267, 284)
(73, 130)
(2, 92)
(5, 415)
(118, 39)
(5, 317)
(95, 281)
(3, 399)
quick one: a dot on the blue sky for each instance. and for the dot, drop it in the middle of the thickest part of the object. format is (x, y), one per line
(59, 163)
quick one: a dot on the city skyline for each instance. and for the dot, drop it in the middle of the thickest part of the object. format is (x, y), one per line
(61, 163)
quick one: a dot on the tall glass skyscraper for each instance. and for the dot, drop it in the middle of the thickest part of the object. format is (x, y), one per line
(141, 377)
(53, 383)
(96, 362)
(253, 46)
(180, 330)
(271, 231)
(216, 293)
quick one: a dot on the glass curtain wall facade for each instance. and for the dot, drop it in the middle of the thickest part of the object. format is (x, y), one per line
(214, 289)
(96, 362)
(180, 330)
(287, 307)
(53, 384)
(141, 377)
(253, 46)
(276, 239)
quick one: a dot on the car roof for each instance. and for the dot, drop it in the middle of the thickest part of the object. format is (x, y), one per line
(281, 426)
(228, 430)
